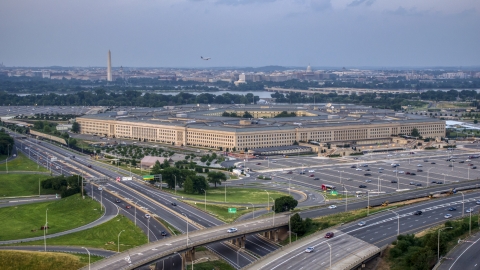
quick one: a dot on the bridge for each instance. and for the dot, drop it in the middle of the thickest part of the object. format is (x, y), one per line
(339, 90)
(185, 244)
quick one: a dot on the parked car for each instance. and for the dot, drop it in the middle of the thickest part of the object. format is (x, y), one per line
(365, 165)
(401, 172)
(367, 170)
(474, 167)
(290, 172)
(419, 170)
(174, 204)
(118, 201)
(353, 166)
(469, 210)
(439, 182)
(316, 178)
(461, 161)
(259, 163)
(425, 160)
(147, 216)
(418, 184)
(128, 206)
(413, 173)
(432, 163)
(368, 174)
(358, 169)
(312, 175)
(419, 165)
(100, 188)
(329, 235)
(412, 183)
(232, 230)
(368, 181)
(393, 181)
(478, 202)
(407, 173)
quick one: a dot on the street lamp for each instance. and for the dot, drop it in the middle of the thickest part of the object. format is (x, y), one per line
(438, 241)
(398, 221)
(268, 201)
(118, 241)
(136, 213)
(398, 183)
(186, 218)
(88, 257)
(225, 192)
(346, 198)
(148, 230)
(273, 207)
(463, 203)
(45, 230)
(330, 247)
(237, 256)
(428, 175)
(470, 223)
(205, 204)
(253, 206)
(379, 184)
(8, 154)
(340, 176)
(175, 184)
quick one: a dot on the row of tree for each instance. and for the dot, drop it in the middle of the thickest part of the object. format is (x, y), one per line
(6, 143)
(66, 186)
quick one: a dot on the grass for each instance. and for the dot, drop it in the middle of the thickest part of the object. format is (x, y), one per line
(20, 260)
(102, 236)
(169, 226)
(22, 185)
(221, 211)
(71, 212)
(213, 265)
(234, 194)
(125, 167)
(22, 163)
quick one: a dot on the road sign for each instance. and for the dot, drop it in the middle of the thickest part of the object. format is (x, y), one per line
(148, 177)
(232, 210)
(334, 192)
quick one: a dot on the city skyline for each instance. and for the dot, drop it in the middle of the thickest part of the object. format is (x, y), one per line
(241, 33)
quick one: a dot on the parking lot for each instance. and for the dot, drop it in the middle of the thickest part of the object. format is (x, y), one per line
(376, 173)
(32, 110)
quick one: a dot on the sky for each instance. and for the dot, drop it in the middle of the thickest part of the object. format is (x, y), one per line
(240, 33)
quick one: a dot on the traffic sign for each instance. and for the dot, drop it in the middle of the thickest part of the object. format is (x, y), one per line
(232, 210)
(334, 192)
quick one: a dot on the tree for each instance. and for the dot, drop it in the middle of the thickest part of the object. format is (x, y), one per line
(216, 178)
(195, 184)
(297, 224)
(165, 164)
(247, 115)
(285, 203)
(157, 168)
(188, 186)
(475, 121)
(415, 132)
(75, 127)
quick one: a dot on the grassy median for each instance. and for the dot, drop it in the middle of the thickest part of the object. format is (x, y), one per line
(221, 211)
(12, 185)
(24, 221)
(26, 260)
(234, 195)
(22, 163)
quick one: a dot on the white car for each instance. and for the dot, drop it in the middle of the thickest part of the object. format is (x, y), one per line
(362, 223)
(332, 207)
(100, 188)
(274, 161)
(468, 160)
(147, 216)
(358, 169)
(401, 172)
(380, 168)
(232, 230)
(389, 155)
(309, 250)
(368, 181)
(448, 216)
(419, 165)
(470, 210)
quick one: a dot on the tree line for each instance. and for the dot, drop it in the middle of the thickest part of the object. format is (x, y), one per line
(6, 143)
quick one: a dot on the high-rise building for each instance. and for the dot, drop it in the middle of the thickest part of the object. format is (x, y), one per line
(109, 67)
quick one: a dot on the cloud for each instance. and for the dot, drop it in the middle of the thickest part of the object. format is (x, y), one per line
(401, 11)
(320, 5)
(357, 3)
(242, 2)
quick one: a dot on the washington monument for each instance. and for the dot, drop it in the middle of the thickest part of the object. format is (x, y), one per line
(109, 67)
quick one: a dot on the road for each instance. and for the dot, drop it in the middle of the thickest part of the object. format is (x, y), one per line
(464, 256)
(66, 249)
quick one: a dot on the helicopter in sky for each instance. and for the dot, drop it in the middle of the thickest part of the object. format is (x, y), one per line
(205, 58)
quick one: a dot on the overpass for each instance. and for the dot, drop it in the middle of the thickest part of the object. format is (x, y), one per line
(339, 90)
(186, 243)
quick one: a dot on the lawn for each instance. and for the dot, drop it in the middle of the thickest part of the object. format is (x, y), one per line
(26, 260)
(125, 167)
(22, 163)
(102, 236)
(22, 185)
(212, 265)
(234, 194)
(221, 211)
(71, 212)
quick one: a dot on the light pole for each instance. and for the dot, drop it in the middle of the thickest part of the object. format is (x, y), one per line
(268, 201)
(468, 170)
(398, 221)
(438, 242)
(340, 176)
(175, 184)
(346, 198)
(253, 206)
(289, 179)
(237, 256)
(205, 204)
(148, 230)
(398, 183)
(186, 218)
(273, 208)
(368, 202)
(330, 247)
(118, 241)
(225, 192)
(463, 203)
(45, 231)
(428, 175)
(296, 235)
(136, 213)
(379, 184)
(470, 223)
(88, 257)
(101, 200)
(8, 154)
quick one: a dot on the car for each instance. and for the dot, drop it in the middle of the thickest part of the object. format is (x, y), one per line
(316, 178)
(407, 173)
(368, 181)
(474, 167)
(448, 216)
(147, 216)
(309, 250)
(259, 163)
(439, 182)
(450, 165)
(380, 171)
(362, 186)
(311, 170)
(100, 188)
(368, 174)
(329, 235)
(274, 161)
(349, 179)
(353, 166)
(418, 184)
(118, 201)
(380, 168)
(448, 159)
(434, 182)
(470, 164)
(401, 172)
(470, 210)
(367, 170)
(290, 172)
(365, 165)
(419, 170)
(419, 165)
(362, 223)
(332, 207)
(163, 233)
(395, 171)
(425, 160)
(174, 204)
(478, 202)
(418, 212)
(452, 209)
(413, 173)
(412, 183)
(128, 206)
(432, 163)
(358, 169)
(393, 181)
(312, 175)
(232, 230)
(302, 173)
(389, 155)
(468, 160)
(89, 166)
(461, 161)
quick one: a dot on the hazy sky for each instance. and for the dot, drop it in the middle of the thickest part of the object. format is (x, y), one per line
(175, 33)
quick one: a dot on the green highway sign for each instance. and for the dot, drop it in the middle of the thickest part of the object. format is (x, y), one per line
(148, 177)
(334, 192)
(232, 210)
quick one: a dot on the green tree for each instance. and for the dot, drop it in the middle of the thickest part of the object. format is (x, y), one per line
(188, 186)
(415, 132)
(297, 224)
(475, 121)
(216, 178)
(157, 168)
(285, 203)
(75, 127)
(247, 115)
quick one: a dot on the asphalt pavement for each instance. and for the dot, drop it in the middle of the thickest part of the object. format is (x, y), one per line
(463, 256)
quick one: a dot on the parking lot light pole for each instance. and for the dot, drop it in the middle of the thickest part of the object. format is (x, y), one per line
(289, 185)
(428, 175)
(136, 213)
(468, 170)
(438, 243)
(268, 201)
(379, 184)
(175, 184)
(398, 221)
(273, 207)
(398, 184)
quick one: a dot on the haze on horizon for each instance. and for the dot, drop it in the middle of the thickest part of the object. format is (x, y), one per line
(175, 33)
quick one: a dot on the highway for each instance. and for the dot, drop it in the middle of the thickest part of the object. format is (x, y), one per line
(464, 256)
